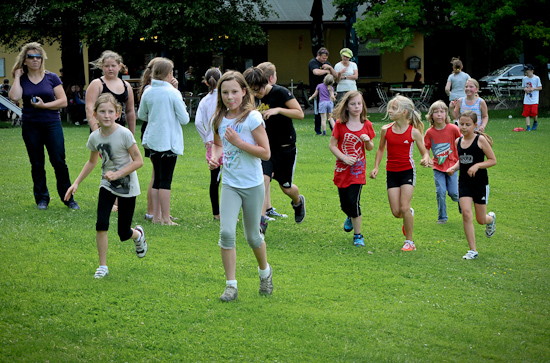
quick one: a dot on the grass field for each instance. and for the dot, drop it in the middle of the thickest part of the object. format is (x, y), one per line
(332, 301)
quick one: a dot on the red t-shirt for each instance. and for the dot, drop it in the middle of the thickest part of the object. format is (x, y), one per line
(350, 143)
(442, 143)
(400, 150)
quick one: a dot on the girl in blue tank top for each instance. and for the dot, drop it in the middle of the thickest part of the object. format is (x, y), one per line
(472, 102)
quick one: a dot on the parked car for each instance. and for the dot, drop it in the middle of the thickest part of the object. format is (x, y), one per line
(507, 74)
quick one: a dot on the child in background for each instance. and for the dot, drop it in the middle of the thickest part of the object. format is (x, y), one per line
(163, 108)
(472, 102)
(352, 134)
(325, 91)
(278, 108)
(473, 183)
(239, 135)
(531, 85)
(440, 138)
(270, 212)
(120, 159)
(203, 123)
(400, 136)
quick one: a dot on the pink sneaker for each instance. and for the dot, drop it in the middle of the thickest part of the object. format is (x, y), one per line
(408, 246)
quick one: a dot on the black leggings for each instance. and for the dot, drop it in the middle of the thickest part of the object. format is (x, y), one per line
(164, 163)
(350, 199)
(214, 191)
(126, 207)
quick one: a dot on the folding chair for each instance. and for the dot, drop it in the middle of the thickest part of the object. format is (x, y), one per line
(383, 98)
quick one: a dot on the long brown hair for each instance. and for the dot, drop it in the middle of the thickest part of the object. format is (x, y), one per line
(341, 112)
(146, 76)
(473, 116)
(247, 104)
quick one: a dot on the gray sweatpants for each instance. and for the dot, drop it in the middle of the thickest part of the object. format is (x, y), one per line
(232, 199)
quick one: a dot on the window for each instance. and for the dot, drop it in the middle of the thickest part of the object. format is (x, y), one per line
(2, 67)
(369, 60)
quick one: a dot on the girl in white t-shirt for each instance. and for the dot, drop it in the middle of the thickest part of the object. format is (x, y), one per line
(240, 136)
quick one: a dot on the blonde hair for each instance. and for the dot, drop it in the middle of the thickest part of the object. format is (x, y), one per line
(473, 116)
(328, 80)
(438, 105)
(341, 112)
(20, 60)
(98, 63)
(162, 68)
(268, 68)
(247, 104)
(406, 105)
(146, 76)
(475, 82)
(107, 98)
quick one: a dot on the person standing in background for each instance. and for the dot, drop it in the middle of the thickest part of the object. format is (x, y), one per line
(318, 68)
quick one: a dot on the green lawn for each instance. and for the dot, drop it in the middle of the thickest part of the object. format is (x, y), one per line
(332, 301)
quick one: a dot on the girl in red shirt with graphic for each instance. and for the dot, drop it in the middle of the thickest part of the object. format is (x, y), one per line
(399, 137)
(352, 134)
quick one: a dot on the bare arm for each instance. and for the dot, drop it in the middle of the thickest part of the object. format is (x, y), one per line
(59, 102)
(448, 88)
(137, 162)
(92, 93)
(484, 116)
(379, 153)
(260, 150)
(417, 136)
(490, 160)
(130, 110)
(86, 170)
(456, 110)
(217, 149)
(292, 110)
(16, 91)
(333, 146)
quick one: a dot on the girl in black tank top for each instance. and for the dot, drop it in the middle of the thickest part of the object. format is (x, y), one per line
(121, 98)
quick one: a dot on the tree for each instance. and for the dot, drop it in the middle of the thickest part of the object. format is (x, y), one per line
(498, 29)
(192, 27)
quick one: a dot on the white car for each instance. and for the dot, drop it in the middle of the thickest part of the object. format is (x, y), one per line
(509, 73)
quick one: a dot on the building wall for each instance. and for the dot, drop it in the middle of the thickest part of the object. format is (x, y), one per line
(290, 50)
(53, 63)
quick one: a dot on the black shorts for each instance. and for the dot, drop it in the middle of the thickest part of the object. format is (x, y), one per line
(479, 193)
(281, 165)
(395, 179)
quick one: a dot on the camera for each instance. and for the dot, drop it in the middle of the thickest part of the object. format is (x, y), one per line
(34, 99)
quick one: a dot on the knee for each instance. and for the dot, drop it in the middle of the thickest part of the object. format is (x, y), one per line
(227, 239)
(481, 219)
(255, 241)
(467, 215)
(396, 213)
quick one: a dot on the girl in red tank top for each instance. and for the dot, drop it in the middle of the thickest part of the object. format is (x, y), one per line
(399, 137)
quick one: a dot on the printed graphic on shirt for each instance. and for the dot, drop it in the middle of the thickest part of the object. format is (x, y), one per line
(442, 151)
(122, 185)
(352, 146)
(466, 159)
(231, 153)
(529, 84)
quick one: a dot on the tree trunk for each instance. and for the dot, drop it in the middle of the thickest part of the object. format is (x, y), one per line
(71, 51)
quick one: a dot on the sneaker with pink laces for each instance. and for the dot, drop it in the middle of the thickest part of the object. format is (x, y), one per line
(408, 246)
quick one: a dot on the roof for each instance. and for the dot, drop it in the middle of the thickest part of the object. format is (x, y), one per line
(297, 11)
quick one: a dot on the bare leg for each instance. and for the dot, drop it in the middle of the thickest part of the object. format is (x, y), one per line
(468, 221)
(324, 117)
(102, 244)
(293, 192)
(229, 259)
(164, 202)
(261, 256)
(356, 224)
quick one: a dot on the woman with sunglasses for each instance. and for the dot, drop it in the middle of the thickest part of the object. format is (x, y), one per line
(43, 96)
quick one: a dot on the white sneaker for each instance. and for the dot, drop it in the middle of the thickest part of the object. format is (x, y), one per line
(470, 255)
(141, 243)
(101, 272)
(490, 228)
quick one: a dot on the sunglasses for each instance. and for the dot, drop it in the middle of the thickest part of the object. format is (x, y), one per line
(34, 56)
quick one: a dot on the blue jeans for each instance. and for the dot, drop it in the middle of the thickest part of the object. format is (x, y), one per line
(444, 184)
(38, 135)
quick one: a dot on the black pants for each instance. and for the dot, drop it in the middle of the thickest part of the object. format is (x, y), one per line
(350, 199)
(164, 163)
(214, 191)
(126, 207)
